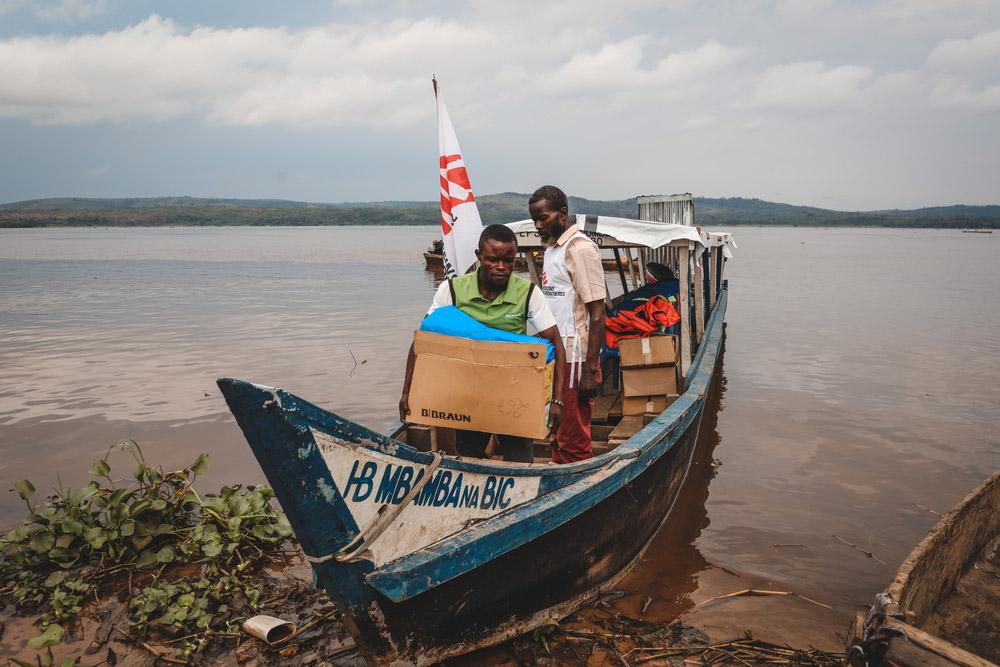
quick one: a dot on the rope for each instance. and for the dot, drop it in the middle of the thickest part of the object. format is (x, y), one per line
(382, 520)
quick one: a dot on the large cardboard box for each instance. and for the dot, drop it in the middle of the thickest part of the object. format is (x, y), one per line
(650, 351)
(638, 405)
(658, 381)
(480, 385)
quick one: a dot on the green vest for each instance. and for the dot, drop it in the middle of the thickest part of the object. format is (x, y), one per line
(509, 311)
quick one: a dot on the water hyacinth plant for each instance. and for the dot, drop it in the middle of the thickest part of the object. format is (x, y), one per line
(176, 555)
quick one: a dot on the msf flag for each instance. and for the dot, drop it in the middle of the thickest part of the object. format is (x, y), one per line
(460, 221)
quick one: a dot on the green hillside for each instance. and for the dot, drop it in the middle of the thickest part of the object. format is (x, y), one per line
(502, 207)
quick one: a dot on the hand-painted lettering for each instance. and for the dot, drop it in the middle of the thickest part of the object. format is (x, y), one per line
(502, 500)
(363, 480)
(489, 493)
(444, 486)
(444, 489)
(387, 487)
(403, 487)
(456, 492)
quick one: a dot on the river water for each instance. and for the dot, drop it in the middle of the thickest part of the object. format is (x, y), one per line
(859, 380)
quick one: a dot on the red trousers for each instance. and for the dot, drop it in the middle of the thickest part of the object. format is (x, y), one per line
(572, 441)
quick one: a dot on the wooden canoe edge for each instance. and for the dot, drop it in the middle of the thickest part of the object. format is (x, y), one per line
(923, 648)
(937, 563)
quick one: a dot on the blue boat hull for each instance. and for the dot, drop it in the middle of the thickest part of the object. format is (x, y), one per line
(578, 530)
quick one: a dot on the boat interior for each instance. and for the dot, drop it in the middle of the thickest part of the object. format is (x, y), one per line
(634, 276)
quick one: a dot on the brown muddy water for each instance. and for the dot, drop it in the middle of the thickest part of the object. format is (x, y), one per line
(859, 383)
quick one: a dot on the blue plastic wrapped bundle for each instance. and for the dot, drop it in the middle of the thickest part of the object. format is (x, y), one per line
(450, 321)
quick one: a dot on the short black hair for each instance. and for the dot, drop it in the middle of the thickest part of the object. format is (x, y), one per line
(499, 233)
(553, 195)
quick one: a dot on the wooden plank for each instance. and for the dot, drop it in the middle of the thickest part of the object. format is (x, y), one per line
(713, 283)
(627, 427)
(923, 648)
(600, 431)
(536, 275)
(699, 295)
(631, 268)
(603, 406)
(683, 276)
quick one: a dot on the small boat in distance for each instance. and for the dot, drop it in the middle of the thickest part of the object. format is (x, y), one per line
(977, 231)
(943, 605)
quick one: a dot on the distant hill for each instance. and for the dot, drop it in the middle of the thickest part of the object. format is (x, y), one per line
(502, 207)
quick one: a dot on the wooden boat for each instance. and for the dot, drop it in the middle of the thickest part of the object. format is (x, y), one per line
(427, 555)
(943, 605)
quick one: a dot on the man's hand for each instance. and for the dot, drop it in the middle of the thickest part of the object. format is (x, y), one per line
(589, 385)
(404, 406)
(555, 412)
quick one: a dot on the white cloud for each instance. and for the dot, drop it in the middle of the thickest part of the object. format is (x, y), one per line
(983, 50)
(953, 94)
(619, 66)
(373, 74)
(811, 86)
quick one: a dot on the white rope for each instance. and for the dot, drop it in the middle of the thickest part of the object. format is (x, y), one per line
(383, 519)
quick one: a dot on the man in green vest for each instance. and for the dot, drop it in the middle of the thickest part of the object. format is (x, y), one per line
(500, 300)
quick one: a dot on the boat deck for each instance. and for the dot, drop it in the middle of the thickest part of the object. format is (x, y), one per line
(969, 616)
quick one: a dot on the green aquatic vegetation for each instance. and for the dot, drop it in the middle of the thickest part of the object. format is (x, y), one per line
(152, 531)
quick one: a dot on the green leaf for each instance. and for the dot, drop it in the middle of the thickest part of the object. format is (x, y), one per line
(79, 496)
(211, 549)
(42, 541)
(166, 554)
(127, 529)
(64, 557)
(24, 489)
(158, 504)
(64, 541)
(73, 526)
(68, 662)
(95, 536)
(200, 464)
(146, 559)
(56, 578)
(50, 637)
(100, 468)
(283, 527)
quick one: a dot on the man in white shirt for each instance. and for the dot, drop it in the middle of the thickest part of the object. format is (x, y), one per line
(573, 284)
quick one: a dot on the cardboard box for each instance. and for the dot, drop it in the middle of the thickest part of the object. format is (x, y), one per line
(658, 381)
(638, 405)
(480, 385)
(651, 351)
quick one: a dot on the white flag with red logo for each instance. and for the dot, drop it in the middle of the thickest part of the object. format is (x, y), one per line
(460, 221)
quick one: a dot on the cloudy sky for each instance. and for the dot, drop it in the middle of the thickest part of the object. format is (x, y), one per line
(846, 105)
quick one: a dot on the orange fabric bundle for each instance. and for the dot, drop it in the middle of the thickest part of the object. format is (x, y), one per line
(655, 315)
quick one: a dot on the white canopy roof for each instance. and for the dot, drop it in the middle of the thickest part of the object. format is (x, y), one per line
(608, 232)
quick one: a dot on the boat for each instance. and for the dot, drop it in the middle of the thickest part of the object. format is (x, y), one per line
(943, 605)
(977, 231)
(428, 555)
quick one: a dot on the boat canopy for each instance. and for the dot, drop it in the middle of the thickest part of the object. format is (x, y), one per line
(609, 232)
